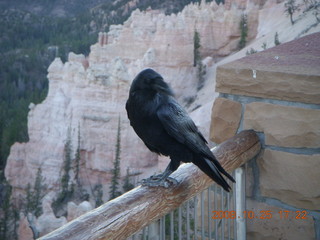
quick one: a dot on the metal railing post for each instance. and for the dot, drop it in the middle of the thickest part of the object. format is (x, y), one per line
(153, 230)
(240, 175)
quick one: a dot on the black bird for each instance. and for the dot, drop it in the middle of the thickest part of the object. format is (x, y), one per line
(165, 128)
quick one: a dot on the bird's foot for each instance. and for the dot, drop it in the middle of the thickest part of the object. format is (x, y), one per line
(158, 181)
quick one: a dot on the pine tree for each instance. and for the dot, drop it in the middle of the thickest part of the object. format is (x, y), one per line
(276, 39)
(66, 167)
(38, 193)
(219, 1)
(201, 70)
(98, 194)
(29, 197)
(6, 211)
(67, 189)
(35, 195)
(114, 192)
(77, 159)
(243, 31)
(196, 48)
(127, 185)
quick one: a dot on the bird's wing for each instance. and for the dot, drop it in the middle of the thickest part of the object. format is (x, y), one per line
(180, 126)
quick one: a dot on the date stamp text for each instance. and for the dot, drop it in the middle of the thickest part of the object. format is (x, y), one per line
(263, 214)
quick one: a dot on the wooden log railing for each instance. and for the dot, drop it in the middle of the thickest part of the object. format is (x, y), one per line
(129, 213)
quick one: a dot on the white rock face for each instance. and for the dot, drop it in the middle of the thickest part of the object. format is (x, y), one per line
(75, 210)
(165, 43)
(87, 95)
(48, 222)
(86, 100)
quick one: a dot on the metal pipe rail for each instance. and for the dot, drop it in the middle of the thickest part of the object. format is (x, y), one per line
(129, 213)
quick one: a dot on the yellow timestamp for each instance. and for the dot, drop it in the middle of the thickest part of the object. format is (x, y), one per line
(263, 214)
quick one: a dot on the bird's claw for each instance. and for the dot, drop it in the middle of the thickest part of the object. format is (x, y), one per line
(156, 181)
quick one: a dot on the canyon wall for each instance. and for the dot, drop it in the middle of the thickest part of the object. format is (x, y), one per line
(87, 95)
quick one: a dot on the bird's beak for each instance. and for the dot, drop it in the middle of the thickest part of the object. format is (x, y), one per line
(158, 87)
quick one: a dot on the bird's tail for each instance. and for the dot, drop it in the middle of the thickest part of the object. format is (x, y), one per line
(213, 169)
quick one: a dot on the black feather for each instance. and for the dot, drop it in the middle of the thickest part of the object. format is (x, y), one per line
(165, 127)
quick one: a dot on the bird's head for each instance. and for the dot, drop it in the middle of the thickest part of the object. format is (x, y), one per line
(150, 80)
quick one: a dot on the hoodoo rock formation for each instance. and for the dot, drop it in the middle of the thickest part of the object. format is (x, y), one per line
(87, 95)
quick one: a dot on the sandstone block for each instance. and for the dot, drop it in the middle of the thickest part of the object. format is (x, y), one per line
(292, 178)
(284, 126)
(289, 71)
(235, 79)
(225, 119)
(276, 227)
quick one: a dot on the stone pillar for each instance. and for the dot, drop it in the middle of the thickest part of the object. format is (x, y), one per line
(105, 39)
(100, 38)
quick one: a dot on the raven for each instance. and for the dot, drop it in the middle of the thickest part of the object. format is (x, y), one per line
(165, 128)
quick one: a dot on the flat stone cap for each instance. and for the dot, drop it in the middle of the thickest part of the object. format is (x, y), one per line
(289, 71)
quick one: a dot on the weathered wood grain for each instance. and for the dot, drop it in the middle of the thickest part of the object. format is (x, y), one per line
(129, 213)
